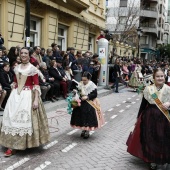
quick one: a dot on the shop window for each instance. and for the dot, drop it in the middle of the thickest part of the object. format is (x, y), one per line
(62, 37)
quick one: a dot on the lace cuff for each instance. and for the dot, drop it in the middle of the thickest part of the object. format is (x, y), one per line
(37, 87)
(13, 85)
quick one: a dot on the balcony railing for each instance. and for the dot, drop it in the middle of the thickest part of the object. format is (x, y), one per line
(147, 25)
(149, 8)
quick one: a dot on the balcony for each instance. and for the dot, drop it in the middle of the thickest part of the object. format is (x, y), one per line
(149, 28)
(149, 12)
(74, 5)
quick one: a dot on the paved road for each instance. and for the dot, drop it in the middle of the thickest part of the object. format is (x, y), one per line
(104, 150)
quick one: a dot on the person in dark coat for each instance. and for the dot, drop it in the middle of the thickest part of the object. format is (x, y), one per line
(59, 79)
(6, 79)
(56, 55)
(1, 41)
(55, 88)
(116, 73)
(72, 59)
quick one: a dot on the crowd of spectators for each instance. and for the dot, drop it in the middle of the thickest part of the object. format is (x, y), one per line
(56, 70)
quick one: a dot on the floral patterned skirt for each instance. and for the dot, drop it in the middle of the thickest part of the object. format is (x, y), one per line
(39, 136)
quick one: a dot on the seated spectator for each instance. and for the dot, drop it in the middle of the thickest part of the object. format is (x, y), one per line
(2, 97)
(59, 78)
(48, 57)
(4, 55)
(6, 79)
(1, 59)
(36, 54)
(66, 60)
(1, 41)
(12, 55)
(55, 87)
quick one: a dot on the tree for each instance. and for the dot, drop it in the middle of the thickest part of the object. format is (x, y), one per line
(124, 21)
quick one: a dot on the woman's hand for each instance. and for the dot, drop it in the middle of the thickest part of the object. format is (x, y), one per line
(84, 98)
(166, 105)
(35, 104)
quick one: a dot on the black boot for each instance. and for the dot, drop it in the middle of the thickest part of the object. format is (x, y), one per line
(86, 135)
(82, 133)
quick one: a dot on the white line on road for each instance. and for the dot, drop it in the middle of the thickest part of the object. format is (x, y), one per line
(110, 110)
(133, 95)
(121, 111)
(129, 98)
(43, 166)
(73, 131)
(91, 132)
(137, 99)
(118, 105)
(104, 124)
(128, 106)
(113, 116)
(69, 147)
(17, 164)
(50, 145)
(133, 102)
(124, 102)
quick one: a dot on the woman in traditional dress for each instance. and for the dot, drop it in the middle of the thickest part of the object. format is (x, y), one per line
(136, 79)
(24, 122)
(88, 116)
(150, 139)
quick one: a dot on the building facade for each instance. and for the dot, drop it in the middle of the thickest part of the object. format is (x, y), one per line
(152, 22)
(69, 23)
(122, 21)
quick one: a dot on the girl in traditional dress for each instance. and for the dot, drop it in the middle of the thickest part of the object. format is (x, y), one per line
(136, 78)
(24, 122)
(88, 116)
(150, 139)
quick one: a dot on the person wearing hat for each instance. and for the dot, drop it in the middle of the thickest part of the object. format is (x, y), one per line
(56, 55)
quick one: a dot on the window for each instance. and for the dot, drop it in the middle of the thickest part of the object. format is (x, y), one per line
(62, 37)
(91, 43)
(123, 3)
(107, 2)
(35, 31)
(160, 10)
(159, 35)
(144, 40)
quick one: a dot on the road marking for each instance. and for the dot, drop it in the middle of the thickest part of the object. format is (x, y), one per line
(121, 111)
(50, 145)
(103, 114)
(69, 147)
(91, 132)
(43, 166)
(128, 106)
(17, 164)
(73, 131)
(137, 99)
(133, 102)
(118, 105)
(113, 116)
(110, 110)
(133, 95)
(104, 124)
(129, 98)
(124, 102)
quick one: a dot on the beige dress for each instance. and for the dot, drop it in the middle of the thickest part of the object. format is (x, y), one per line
(22, 126)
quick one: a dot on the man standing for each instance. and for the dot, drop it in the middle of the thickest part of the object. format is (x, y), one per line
(56, 55)
(116, 73)
(72, 59)
(1, 41)
(37, 55)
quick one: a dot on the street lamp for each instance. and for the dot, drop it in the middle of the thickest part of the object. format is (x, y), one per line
(139, 32)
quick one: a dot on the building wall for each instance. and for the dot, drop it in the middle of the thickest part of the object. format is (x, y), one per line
(49, 15)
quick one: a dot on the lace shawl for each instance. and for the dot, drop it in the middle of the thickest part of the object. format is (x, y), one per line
(163, 94)
(86, 89)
